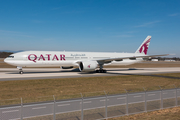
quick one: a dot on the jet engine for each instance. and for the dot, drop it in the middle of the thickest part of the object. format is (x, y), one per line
(88, 66)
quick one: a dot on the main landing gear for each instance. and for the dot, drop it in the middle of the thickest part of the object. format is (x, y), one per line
(20, 70)
(101, 70)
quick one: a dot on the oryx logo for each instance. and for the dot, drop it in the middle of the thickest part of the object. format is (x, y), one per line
(144, 47)
(89, 66)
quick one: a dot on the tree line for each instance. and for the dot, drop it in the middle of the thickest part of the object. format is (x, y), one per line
(5, 54)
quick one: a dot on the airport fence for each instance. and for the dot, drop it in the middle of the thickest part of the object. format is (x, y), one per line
(91, 108)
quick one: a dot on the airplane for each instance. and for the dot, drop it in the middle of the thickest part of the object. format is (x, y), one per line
(86, 61)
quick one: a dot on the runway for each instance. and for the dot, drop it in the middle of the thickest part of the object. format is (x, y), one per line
(8, 74)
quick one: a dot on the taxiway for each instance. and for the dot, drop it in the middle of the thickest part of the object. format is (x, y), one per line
(7, 74)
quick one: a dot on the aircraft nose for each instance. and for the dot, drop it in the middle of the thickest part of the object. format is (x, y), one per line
(9, 61)
(5, 60)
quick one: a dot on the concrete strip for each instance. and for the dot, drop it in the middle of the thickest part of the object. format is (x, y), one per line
(7, 74)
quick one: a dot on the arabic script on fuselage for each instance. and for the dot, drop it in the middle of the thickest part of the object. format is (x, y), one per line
(78, 54)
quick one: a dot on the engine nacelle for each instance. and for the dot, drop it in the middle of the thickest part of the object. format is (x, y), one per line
(88, 66)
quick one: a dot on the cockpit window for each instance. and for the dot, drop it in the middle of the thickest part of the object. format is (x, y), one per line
(10, 56)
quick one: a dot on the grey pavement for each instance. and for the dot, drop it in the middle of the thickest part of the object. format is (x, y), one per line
(7, 74)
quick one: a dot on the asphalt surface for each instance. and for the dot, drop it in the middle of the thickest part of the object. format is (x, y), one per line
(7, 74)
(68, 106)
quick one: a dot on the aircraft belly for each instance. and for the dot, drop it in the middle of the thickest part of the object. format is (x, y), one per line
(42, 63)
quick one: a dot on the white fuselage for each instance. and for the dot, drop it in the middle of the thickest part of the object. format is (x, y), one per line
(62, 58)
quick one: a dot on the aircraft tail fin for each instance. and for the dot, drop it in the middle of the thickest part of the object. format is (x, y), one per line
(144, 46)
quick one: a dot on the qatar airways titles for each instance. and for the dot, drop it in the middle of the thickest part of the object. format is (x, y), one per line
(34, 57)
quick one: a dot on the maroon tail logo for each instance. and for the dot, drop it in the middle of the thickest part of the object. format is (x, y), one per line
(145, 46)
(89, 66)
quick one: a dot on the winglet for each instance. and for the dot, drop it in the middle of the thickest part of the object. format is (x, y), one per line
(144, 46)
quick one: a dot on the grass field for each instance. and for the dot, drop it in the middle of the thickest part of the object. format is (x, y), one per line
(165, 114)
(63, 88)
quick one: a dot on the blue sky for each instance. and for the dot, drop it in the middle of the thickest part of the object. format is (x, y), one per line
(90, 25)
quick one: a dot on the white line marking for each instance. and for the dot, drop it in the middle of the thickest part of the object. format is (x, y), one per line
(52, 103)
(10, 111)
(116, 96)
(86, 102)
(69, 101)
(104, 100)
(10, 107)
(121, 98)
(14, 119)
(64, 105)
(136, 93)
(138, 96)
(39, 108)
(151, 94)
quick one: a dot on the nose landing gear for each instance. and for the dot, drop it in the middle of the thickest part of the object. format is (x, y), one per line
(20, 70)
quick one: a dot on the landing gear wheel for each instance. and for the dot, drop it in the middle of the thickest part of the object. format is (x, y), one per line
(104, 71)
(21, 72)
(101, 71)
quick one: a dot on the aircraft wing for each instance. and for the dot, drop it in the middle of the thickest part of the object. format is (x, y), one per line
(130, 57)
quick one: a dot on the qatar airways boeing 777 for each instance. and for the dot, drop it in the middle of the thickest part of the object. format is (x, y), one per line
(86, 61)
